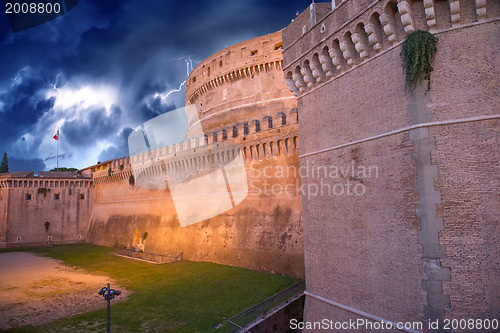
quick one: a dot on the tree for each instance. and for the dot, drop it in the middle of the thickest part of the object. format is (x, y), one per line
(64, 169)
(4, 167)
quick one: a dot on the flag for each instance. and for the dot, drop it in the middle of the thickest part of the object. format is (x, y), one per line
(56, 136)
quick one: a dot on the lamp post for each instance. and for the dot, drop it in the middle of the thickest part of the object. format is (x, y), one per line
(108, 295)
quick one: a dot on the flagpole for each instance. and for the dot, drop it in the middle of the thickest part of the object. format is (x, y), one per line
(58, 133)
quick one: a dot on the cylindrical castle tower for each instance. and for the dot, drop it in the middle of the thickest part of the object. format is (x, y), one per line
(242, 86)
(246, 114)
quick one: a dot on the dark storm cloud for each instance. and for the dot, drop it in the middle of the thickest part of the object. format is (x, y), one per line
(25, 164)
(22, 107)
(154, 108)
(129, 45)
(96, 125)
(120, 149)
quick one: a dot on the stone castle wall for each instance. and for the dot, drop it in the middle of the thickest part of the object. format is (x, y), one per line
(241, 98)
(417, 238)
(27, 202)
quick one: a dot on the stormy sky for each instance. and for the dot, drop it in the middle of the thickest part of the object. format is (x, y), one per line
(102, 68)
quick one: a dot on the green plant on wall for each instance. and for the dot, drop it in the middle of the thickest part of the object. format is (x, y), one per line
(43, 190)
(47, 225)
(110, 172)
(120, 167)
(417, 53)
(131, 180)
(144, 236)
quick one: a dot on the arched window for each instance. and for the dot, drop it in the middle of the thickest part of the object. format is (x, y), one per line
(295, 113)
(268, 121)
(255, 126)
(282, 118)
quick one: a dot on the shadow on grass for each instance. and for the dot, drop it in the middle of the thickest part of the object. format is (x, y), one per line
(181, 296)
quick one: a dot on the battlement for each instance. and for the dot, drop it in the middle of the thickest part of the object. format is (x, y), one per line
(354, 32)
(45, 180)
(257, 140)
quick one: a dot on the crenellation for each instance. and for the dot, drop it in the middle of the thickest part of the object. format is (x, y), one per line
(187, 148)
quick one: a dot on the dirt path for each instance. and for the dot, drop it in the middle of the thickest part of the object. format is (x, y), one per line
(37, 290)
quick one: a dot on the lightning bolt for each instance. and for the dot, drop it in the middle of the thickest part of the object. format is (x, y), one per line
(189, 68)
(19, 73)
(54, 85)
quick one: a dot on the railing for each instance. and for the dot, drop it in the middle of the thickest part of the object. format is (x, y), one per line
(241, 321)
(151, 257)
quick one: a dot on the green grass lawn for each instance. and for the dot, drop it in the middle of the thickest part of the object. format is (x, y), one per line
(174, 297)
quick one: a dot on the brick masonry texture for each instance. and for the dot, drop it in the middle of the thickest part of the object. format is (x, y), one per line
(422, 241)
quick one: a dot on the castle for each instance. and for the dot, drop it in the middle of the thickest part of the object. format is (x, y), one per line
(390, 210)
(241, 97)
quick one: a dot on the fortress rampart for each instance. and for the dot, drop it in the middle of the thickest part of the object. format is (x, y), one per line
(241, 99)
(419, 240)
(28, 202)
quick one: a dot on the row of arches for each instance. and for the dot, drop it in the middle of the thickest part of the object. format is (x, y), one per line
(384, 25)
(44, 184)
(236, 74)
(266, 150)
(253, 126)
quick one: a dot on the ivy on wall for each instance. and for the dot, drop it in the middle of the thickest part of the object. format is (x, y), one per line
(417, 53)
(43, 190)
